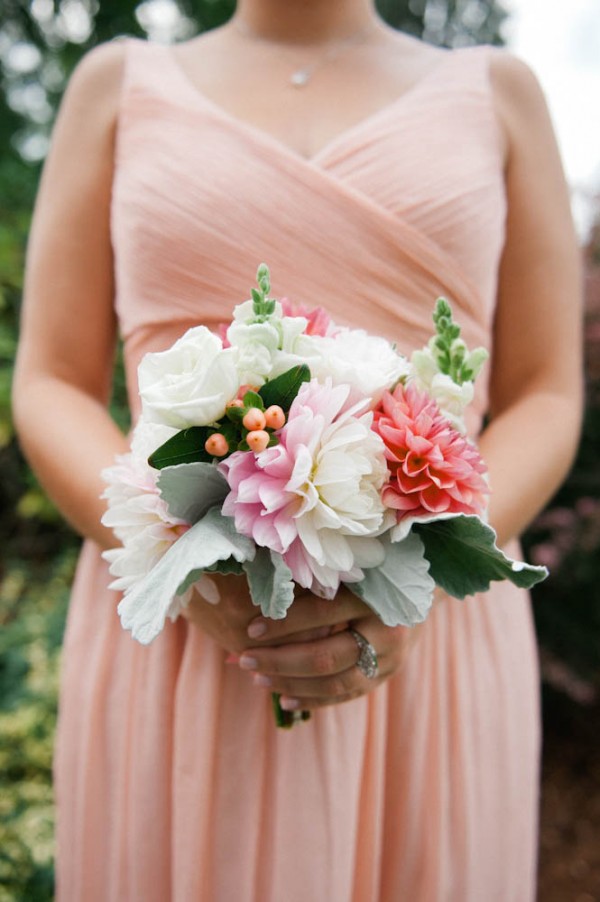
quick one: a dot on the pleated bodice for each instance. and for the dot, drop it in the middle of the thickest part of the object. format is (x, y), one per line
(405, 206)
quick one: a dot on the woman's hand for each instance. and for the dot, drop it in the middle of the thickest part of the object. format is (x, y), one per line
(310, 656)
(229, 616)
(321, 670)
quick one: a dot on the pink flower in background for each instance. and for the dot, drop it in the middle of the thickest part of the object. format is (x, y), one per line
(433, 468)
(314, 497)
(319, 321)
(222, 333)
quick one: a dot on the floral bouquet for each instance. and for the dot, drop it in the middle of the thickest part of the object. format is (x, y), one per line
(302, 453)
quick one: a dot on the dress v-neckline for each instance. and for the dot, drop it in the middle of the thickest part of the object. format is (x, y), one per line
(267, 139)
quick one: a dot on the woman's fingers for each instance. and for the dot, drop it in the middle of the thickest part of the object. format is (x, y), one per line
(324, 672)
(303, 659)
(331, 675)
(306, 613)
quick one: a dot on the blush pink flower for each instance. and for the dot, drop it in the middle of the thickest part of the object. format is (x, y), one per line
(315, 498)
(319, 321)
(434, 470)
(222, 334)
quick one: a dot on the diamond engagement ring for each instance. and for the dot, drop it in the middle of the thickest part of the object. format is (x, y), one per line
(367, 657)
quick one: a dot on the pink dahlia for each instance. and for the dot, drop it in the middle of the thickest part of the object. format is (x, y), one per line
(434, 470)
(315, 498)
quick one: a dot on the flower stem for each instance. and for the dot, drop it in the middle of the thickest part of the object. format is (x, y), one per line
(286, 719)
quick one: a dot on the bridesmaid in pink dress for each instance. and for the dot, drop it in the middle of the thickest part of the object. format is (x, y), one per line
(372, 173)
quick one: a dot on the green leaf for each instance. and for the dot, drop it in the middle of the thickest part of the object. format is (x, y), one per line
(229, 567)
(185, 447)
(464, 558)
(399, 590)
(270, 583)
(190, 490)
(229, 432)
(214, 538)
(235, 414)
(252, 399)
(283, 389)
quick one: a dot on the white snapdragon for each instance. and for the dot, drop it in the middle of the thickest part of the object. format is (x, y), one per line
(451, 397)
(261, 341)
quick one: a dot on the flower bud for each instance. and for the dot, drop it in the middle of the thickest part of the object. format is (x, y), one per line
(476, 360)
(246, 388)
(274, 417)
(216, 445)
(254, 419)
(258, 440)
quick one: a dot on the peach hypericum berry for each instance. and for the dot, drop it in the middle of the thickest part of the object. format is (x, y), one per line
(254, 419)
(216, 444)
(274, 417)
(258, 440)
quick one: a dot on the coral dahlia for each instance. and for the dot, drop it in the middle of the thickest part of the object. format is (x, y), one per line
(434, 470)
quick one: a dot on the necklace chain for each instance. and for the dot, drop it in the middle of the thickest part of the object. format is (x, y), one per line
(302, 75)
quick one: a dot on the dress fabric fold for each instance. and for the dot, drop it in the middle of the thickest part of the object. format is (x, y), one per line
(172, 782)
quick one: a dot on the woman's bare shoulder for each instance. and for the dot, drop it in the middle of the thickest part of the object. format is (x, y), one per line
(94, 88)
(519, 100)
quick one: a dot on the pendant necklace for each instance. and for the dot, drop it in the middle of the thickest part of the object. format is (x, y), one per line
(301, 76)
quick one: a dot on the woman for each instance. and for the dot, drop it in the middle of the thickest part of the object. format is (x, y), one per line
(372, 173)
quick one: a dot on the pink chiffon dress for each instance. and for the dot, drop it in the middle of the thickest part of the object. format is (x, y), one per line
(172, 782)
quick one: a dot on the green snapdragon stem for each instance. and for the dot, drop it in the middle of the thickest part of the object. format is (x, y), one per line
(285, 719)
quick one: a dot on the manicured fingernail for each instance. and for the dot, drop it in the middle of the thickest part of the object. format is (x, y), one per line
(261, 679)
(257, 629)
(232, 658)
(248, 663)
(208, 590)
(289, 704)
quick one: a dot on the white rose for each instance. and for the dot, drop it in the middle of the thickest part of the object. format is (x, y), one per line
(190, 384)
(352, 357)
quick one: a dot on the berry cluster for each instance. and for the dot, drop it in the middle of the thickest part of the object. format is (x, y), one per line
(249, 426)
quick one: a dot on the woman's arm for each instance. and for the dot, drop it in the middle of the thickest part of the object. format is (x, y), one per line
(66, 352)
(536, 391)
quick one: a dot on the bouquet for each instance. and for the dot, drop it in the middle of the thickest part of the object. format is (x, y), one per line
(301, 453)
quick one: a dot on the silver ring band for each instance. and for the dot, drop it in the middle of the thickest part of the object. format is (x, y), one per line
(367, 656)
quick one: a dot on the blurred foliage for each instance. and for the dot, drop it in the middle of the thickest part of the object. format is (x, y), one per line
(33, 602)
(566, 537)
